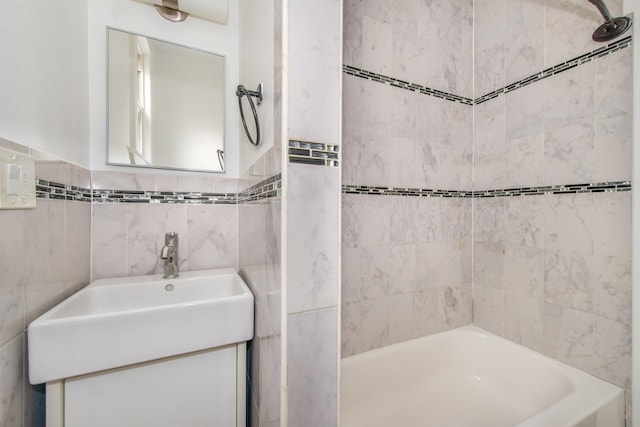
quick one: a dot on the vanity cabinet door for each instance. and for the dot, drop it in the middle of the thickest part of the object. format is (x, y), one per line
(197, 389)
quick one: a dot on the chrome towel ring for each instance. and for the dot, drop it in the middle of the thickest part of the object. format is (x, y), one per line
(240, 92)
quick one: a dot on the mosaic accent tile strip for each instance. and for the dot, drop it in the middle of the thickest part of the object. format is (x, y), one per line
(413, 87)
(144, 196)
(567, 65)
(55, 190)
(395, 191)
(313, 153)
(601, 187)
(270, 187)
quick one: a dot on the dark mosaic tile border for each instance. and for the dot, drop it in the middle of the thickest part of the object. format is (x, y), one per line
(54, 190)
(143, 196)
(567, 65)
(600, 187)
(313, 153)
(271, 187)
(413, 87)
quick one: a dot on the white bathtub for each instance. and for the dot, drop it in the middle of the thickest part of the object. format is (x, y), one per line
(468, 377)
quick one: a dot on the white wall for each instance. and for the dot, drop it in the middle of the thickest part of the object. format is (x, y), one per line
(139, 18)
(257, 65)
(44, 84)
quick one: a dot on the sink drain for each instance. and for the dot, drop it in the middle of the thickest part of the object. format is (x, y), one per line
(169, 287)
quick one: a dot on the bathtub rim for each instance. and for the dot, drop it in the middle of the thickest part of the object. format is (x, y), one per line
(589, 393)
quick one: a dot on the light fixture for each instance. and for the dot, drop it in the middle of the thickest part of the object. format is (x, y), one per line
(170, 11)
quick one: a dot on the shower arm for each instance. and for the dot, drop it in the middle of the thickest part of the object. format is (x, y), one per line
(608, 19)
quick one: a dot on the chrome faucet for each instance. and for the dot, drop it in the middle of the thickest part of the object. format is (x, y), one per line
(169, 254)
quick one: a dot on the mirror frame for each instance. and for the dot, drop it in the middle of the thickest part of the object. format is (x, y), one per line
(224, 101)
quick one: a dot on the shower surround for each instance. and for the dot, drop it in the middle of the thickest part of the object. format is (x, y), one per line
(550, 271)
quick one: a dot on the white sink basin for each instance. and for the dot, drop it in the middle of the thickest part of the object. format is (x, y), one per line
(122, 321)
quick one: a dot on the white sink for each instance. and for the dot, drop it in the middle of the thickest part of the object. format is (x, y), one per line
(122, 321)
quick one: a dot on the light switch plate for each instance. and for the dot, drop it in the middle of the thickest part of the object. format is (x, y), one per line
(17, 180)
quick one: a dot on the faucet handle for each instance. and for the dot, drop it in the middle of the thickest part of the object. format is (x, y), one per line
(171, 238)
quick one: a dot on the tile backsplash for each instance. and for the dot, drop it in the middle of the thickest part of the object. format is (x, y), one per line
(54, 250)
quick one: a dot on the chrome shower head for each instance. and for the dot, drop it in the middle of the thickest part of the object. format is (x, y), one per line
(612, 27)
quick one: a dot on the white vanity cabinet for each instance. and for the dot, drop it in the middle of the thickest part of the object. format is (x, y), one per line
(205, 388)
(146, 351)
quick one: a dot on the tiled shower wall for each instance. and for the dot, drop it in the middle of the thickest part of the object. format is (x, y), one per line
(550, 271)
(553, 272)
(44, 258)
(406, 262)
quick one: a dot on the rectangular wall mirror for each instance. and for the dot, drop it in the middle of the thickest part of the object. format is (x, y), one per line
(166, 105)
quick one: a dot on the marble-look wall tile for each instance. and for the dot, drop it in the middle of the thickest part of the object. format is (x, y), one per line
(77, 246)
(365, 325)
(401, 318)
(612, 288)
(405, 46)
(352, 32)
(109, 241)
(12, 360)
(489, 150)
(612, 353)
(352, 117)
(127, 238)
(523, 221)
(313, 241)
(455, 154)
(377, 45)
(315, 70)
(441, 309)
(488, 308)
(146, 227)
(613, 133)
(424, 257)
(569, 125)
(490, 27)
(569, 222)
(568, 279)
(52, 170)
(613, 228)
(45, 256)
(80, 177)
(568, 336)
(524, 136)
(523, 271)
(212, 236)
(524, 39)
(12, 305)
(202, 183)
(44, 237)
(523, 320)
(564, 41)
(107, 180)
(258, 243)
(488, 264)
(10, 145)
(429, 43)
(489, 220)
(313, 368)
